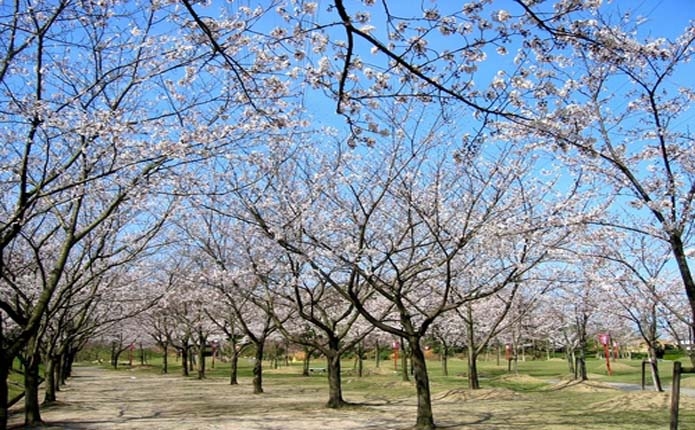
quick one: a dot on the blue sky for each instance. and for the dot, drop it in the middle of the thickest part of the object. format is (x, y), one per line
(663, 17)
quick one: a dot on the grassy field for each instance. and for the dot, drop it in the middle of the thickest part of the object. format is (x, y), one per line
(540, 395)
(491, 373)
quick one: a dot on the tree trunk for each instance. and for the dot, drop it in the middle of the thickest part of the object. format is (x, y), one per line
(115, 353)
(184, 359)
(68, 360)
(581, 365)
(5, 366)
(425, 419)
(60, 370)
(32, 380)
(445, 359)
(306, 363)
(653, 365)
(360, 360)
(201, 363)
(165, 358)
(473, 381)
(514, 362)
(377, 354)
(335, 389)
(202, 339)
(277, 353)
(191, 359)
(258, 369)
(404, 363)
(580, 368)
(234, 372)
(688, 282)
(569, 354)
(471, 346)
(51, 382)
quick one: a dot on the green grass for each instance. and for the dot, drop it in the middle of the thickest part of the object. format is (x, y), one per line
(491, 373)
(539, 374)
(15, 380)
(15, 384)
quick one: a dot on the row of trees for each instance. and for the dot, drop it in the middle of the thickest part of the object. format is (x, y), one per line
(165, 159)
(326, 249)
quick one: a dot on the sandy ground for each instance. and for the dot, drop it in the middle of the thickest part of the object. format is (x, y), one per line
(96, 398)
(99, 399)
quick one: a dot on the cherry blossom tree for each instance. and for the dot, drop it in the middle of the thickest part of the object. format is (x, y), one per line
(483, 320)
(160, 325)
(642, 288)
(82, 262)
(244, 276)
(99, 297)
(84, 147)
(447, 333)
(336, 324)
(409, 227)
(236, 341)
(611, 101)
(543, 225)
(580, 309)
(181, 101)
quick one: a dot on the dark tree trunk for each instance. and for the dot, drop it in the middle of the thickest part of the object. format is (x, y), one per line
(68, 360)
(233, 377)
(258, 369)
(165, 358)
(52, 365)
(201, 363)
(276, 355)
(425, 419)
(5, 366)
(569, 354)
(202, 339)
(143, 360)
(184, 359)
(306, 363)
(191, 359)
(404, 363)
(582, 374)
(473, 381)
(688, 282)
(360, 360)
(115, 353)
(60, 370)
(32, 380)
(335, 389)
(472, 350)
(377, 354)
(445, 359)
(580, 366)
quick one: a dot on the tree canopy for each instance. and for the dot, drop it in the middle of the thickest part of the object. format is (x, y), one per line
(361, 165)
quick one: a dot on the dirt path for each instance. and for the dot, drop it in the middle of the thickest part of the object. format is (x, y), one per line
(97, 398)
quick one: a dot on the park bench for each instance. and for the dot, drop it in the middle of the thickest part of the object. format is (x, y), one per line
(317, 370)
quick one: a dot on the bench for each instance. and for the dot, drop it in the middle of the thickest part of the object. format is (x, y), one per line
(317, 370)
